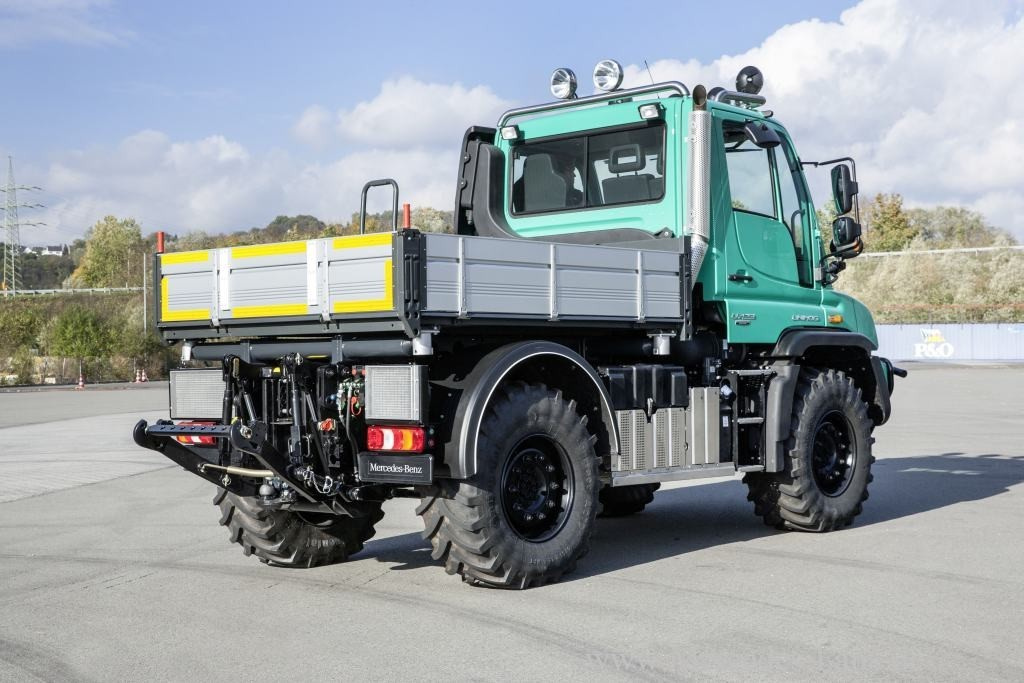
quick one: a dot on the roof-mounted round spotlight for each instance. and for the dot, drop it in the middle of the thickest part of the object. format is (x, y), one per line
(563, 83)
(607, 75)
(749, 80)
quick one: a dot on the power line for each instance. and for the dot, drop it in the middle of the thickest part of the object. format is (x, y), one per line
(11, 282)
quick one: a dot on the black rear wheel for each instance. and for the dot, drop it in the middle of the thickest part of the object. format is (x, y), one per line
(527, 515)
(292, 539)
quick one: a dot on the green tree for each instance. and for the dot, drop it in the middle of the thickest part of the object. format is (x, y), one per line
(887, 227)
(19, 326)
(826, 215)
(944, 227)
(294, 227)
(79, 333)
(431, 220)
(113, 255)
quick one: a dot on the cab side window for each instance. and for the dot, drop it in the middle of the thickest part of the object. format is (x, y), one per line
(750, 175)
(766, 182)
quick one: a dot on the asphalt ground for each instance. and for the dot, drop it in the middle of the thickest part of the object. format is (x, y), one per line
(113, 567)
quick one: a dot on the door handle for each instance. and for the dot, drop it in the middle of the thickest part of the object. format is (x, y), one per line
(740, 277)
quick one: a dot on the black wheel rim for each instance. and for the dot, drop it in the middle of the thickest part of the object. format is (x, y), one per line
(834, 456)
(537, 488)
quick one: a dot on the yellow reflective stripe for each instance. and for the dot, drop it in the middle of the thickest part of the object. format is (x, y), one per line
(377, 239)
(269, 310)
(387, 303)
(180, 257)
(169, 316)
(279, 249)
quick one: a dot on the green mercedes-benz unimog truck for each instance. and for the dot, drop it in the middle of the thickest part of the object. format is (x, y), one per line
(636, 292)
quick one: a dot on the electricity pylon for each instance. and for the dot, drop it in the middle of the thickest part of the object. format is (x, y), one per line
(12, 231)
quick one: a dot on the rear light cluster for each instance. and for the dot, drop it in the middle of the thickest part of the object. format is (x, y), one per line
(403, 439)
(196, 439)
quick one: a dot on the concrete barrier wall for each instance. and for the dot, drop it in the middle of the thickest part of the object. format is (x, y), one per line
(928, 342)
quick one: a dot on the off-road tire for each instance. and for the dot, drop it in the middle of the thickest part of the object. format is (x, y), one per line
(471, 524)
(807, 495)
(620, 501)
(288, 539)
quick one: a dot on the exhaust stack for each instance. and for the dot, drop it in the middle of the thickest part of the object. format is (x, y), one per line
(698, 218)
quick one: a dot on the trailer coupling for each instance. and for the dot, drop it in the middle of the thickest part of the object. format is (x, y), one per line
(316, 492)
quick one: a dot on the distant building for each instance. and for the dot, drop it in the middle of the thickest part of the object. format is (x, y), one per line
(50, 250)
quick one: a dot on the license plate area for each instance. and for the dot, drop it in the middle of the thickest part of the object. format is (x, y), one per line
(396, 469)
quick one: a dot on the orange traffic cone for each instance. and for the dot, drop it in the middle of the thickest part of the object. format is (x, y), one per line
(144, 378)
(81, 382)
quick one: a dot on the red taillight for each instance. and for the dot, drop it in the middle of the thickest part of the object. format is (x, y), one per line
(196, 439)
(406, 439)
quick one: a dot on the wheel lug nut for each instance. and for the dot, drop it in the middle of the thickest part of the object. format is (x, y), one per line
(549, 468)
(529, 517)
(551, 504)
(554, 486)
(541, 516)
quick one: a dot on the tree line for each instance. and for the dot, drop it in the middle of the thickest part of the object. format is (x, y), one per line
(40, 335)
(910, 286)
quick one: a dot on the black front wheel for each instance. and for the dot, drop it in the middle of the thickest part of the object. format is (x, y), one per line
(828, 458)
(527, 515)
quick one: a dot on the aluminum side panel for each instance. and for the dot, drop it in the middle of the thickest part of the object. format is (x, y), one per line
(312, 280)
(485, 277)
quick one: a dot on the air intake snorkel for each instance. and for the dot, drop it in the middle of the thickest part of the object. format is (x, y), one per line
(698, 218)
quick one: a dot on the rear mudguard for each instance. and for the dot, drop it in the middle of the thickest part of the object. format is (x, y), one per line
(510, 362)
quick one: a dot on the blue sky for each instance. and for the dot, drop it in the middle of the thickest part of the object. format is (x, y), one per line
(220, 115)
(192, 69)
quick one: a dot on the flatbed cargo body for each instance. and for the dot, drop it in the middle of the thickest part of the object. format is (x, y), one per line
(407, 281)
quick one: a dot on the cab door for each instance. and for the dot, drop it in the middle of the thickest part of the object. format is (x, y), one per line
(770, 285)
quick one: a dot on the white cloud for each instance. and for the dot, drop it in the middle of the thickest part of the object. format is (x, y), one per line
(426, 177)
(406, 112)
(217, 185)
(314, 127)
(210, 184)
(76, 22)
(921, 92)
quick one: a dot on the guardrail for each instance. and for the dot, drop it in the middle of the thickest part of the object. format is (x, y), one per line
(89, 290)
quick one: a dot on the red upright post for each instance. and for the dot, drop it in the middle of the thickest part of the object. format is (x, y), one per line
(160, 242)
(406, 216)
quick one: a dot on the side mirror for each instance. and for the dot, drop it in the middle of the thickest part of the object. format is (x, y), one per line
(843, 188)
(761, 134)
(846, 237)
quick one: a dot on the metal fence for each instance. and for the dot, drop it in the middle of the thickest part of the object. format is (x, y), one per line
(947, 342)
